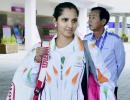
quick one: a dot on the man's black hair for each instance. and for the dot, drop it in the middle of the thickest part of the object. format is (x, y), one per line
(60, 7)
(103, 13)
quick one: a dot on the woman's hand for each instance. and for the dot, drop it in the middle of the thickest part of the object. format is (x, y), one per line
(39, 54)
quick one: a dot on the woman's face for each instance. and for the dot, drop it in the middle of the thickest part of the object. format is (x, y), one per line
(67, 22)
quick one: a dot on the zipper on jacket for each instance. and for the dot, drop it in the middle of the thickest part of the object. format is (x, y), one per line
(61, 68)
(61, 77)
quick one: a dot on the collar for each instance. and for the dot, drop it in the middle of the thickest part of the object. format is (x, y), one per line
(102, 36)
(76, 40)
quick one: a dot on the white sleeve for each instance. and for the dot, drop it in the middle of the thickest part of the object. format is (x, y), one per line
(30, 68)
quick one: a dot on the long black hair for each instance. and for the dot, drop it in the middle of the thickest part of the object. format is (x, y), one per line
(60, 7)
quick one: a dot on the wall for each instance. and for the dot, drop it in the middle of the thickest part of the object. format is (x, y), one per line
(43, 7)
(5, 5)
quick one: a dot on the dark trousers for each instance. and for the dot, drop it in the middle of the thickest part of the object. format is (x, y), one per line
(115, 92)
(84, 85)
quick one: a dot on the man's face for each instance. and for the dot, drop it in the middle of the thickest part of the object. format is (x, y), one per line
(94, 21)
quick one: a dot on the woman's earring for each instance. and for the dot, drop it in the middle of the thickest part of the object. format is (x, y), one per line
(55, 25)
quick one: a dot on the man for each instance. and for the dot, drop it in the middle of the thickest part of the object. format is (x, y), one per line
(110, 44)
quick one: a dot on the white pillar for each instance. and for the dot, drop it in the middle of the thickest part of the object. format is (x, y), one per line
(124, 24)
(31, 32)
(117, 24)
(82, 27)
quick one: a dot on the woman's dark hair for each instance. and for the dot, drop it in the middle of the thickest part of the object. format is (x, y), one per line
(60, 7)
(103, 13)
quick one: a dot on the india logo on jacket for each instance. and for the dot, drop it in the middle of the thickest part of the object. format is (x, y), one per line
(11, 94)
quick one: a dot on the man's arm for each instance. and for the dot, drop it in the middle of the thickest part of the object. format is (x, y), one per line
(120, 56)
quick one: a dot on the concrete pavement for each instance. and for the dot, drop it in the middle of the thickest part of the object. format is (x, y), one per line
(8, 65)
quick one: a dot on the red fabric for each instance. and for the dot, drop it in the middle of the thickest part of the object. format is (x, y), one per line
(43, 64)
(93, 89)
(35, 97)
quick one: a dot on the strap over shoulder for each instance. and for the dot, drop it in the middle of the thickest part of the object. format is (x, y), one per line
(42, 70)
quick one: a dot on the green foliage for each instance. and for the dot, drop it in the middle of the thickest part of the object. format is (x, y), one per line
(8, 40)
(13, 40)
(124, 37)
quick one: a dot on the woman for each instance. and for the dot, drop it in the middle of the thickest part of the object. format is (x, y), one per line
(66, 58)
(66, 64)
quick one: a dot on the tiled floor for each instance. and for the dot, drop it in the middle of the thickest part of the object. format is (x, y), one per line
(9, 63)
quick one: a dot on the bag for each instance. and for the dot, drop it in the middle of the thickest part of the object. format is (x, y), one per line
(92, 57)
(99, 92)
(100, 87)
(93, 89)
(19, 90)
